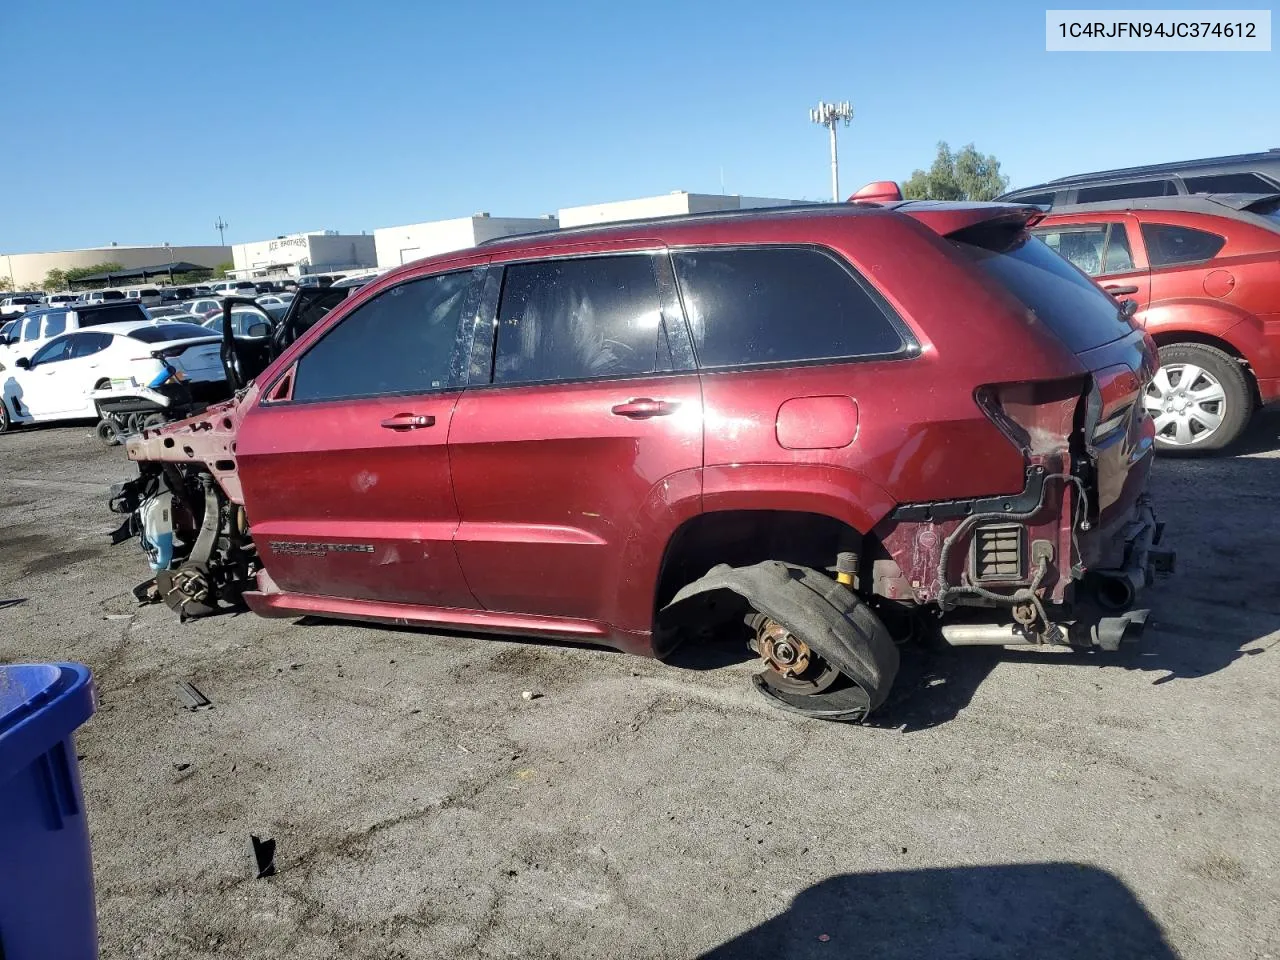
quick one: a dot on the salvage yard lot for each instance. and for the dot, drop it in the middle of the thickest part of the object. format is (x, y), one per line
(1003, 804)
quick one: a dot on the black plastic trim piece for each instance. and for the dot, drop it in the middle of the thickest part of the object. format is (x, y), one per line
(938, 510)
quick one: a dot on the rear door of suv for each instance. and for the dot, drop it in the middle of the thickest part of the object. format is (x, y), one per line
(344, 462)
(577, 447)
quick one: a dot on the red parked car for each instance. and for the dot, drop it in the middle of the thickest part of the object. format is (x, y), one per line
(1205, 275)
(824, 427)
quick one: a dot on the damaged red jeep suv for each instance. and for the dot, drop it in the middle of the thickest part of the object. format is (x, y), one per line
(828, 428)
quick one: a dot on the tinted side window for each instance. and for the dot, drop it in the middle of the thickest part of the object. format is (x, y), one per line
(1127, 191)
(401, 341)
(87, 344)
(1168, 245)
(55, 323)
(53, 351)
(1229, 183)
(597, 317)
(779, 305)
(31, 328)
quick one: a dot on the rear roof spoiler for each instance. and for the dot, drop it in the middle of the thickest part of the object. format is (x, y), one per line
(947, 217)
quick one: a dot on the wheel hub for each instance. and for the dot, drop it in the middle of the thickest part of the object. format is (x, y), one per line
(792, 666)
(781, 651)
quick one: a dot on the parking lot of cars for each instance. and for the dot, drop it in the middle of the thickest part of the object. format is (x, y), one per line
(1005, 803)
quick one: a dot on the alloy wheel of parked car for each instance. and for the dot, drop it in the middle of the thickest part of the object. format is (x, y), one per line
(1199, 398)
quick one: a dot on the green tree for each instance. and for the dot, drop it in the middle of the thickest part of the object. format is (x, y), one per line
(220, 271)
(6, 283)
(55, 279)
(963, 175)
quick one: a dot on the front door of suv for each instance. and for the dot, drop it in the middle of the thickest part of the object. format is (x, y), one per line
(344, 462)
(583, 453)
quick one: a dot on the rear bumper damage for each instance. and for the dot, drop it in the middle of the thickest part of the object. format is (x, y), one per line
(1105, 617)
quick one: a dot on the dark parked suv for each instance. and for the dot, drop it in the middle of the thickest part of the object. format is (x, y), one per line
(1243, 173)
(823, 428)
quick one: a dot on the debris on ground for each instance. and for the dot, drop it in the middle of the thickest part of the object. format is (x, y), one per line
(264, 855)
(530, 695)
(192, 698)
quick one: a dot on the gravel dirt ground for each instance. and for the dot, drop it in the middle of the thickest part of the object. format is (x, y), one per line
(1005, 804)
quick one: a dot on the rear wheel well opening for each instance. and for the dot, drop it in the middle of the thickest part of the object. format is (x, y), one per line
(1170, 338)
(102, 384)
(741, 538)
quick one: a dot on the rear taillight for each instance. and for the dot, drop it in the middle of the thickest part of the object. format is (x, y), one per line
(1038, 417)
(1112, 425)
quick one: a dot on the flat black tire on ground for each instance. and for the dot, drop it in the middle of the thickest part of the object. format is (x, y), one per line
(1237, 405)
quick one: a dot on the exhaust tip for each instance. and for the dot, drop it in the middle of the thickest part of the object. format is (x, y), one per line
(1114, 593)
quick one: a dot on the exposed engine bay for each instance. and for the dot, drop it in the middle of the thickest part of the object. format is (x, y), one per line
(195, 538)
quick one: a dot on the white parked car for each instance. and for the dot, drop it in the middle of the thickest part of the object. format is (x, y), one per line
(246, 323)
(147, 296)
(103, 296)
(233, 288)
(58, 380)
(37, 327)
(204, 308)
(60, 299)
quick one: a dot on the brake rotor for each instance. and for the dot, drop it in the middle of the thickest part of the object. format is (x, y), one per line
(187, 590)
(791, 665)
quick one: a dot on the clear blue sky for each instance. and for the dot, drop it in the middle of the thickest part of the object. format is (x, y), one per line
(288, 115)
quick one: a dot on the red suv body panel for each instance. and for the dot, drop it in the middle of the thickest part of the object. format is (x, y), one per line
(551, 508)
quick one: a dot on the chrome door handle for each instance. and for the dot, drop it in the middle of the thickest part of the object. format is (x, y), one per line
(642, 408)
(408, 421)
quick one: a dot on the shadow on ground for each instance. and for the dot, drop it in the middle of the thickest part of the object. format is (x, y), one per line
(1050, 911)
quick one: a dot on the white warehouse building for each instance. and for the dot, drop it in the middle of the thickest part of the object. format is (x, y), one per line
(298, 254)
(413, 241)
(673, 204)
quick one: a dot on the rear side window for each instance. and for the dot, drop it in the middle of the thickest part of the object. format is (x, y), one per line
(1070, 305)
(590, 318)
(113, 314)
(765, 305)
(87, 344)
(401, 341)
(1132, 190)
(1229, 183)
(1168, 245)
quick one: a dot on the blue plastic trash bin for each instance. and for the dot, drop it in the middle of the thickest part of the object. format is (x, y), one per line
(46, 877)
